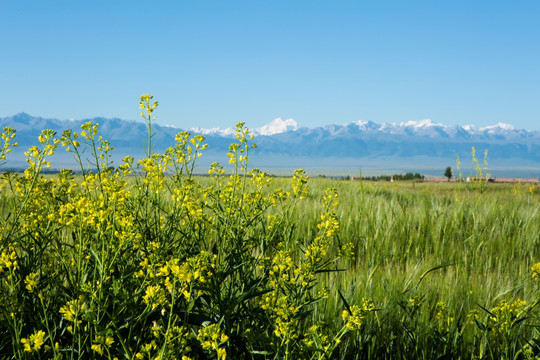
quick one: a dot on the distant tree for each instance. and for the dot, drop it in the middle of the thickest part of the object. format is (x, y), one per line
(448, 173)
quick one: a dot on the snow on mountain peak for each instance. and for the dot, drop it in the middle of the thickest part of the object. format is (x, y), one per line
(361, 123)
(421, 123)
(365, 125)
(213, 131)
(425, 127)
(277, 126)
(500, 125)
(415, 126)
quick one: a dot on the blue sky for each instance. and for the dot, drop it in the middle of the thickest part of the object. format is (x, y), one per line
(214, 63)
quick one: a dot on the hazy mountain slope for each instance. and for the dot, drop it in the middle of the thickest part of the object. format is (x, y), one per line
(415, 145)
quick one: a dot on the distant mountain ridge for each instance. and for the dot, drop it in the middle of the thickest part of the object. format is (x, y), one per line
(414, 128)
(422, 146)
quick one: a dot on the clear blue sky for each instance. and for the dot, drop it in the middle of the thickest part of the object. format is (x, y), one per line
(214, 63)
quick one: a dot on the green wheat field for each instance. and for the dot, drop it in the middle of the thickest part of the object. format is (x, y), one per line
(145, 260)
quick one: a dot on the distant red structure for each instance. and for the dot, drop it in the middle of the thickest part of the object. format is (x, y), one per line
(495, 180)
(510, 180)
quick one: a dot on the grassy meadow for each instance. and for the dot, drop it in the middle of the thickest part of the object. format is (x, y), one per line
(144, 260)
(440, 261)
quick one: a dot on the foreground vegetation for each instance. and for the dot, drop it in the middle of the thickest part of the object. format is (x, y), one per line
(146, 261)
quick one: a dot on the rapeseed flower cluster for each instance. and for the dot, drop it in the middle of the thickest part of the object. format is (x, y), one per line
(473, 316)
(6, 142)
(355, 316)
(416, 301)
(503, 316)
(443, 316)
(327, 228)
(8, 260)
(154, 296)
(31, 281)
(33, 342)
(74, 311)
(102, 343)
(535, 269)
(212, 338)
(142, 260)
(299, 184)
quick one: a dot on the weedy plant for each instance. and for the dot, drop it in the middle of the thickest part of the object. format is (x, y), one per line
(479, 172)
(143, 261)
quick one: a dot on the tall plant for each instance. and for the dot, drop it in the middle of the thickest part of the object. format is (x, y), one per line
(131, 262)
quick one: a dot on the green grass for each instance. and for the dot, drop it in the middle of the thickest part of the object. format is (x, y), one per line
(127, 262)
(481, 247)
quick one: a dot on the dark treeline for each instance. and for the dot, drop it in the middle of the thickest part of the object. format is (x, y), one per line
(407, 176)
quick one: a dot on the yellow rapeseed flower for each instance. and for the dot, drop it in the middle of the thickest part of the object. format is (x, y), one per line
(31, 281)
(34, 342)
(355, 316)
(535, 270)
(212, 337)
(97, 348)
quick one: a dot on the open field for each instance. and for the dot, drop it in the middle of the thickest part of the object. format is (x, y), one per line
(450, 246)
(129, 263)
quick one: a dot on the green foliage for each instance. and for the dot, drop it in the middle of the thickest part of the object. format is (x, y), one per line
(131, 262)
(479, 173)
(448, 173)
(434, 259)
(145, 260)
(406, 177)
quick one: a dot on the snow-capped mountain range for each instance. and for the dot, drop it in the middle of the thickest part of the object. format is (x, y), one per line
(277, 126)
(414, 145)
(419, 128)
